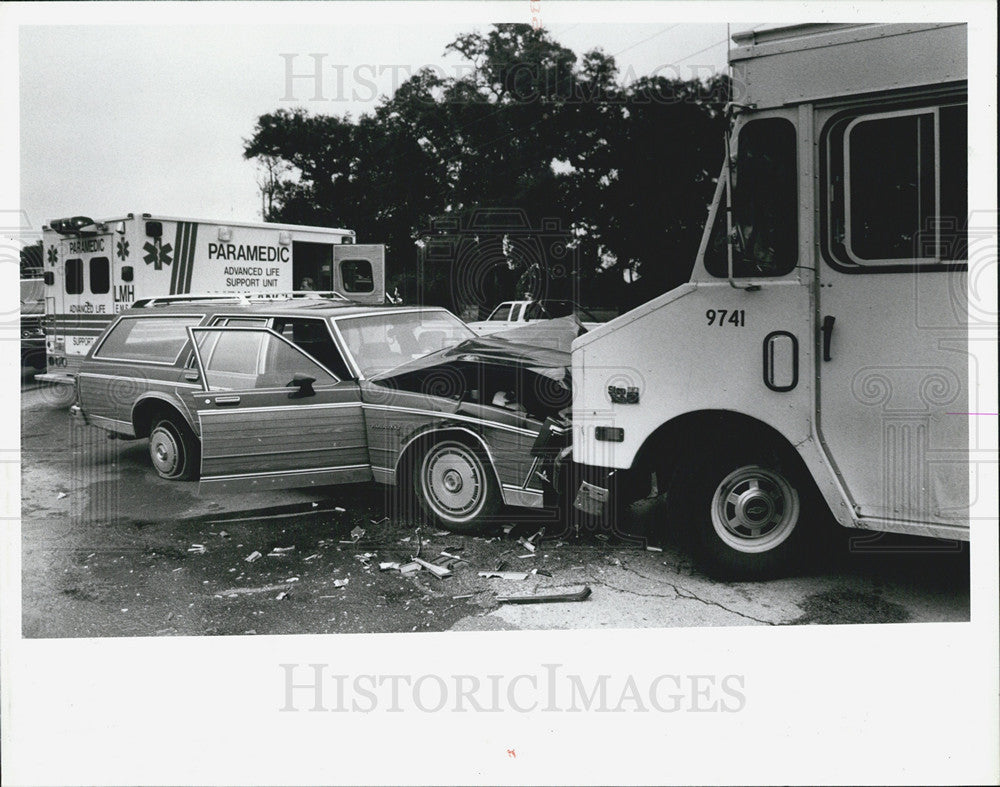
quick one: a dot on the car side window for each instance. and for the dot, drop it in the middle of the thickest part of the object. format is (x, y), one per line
(250, 358)
(314, 337)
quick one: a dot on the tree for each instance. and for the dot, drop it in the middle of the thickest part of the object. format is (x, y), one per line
(625, 172)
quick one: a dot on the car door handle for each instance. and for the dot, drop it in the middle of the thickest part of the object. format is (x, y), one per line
(191, 377)
(827, 330)
(223, 400)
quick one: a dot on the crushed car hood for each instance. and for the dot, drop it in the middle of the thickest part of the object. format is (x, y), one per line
(542, 347)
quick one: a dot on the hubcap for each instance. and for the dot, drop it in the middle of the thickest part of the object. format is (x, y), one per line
(452, 481)
(754, 509)
(163, 451)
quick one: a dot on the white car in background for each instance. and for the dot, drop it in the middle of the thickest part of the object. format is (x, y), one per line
(513, 314)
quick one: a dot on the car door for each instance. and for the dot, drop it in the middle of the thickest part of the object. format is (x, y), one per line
(270, 416)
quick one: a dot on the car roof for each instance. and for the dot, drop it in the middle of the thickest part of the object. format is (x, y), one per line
(276, 307)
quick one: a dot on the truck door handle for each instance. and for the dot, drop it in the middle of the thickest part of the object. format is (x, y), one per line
(223, 400)
(827, 330)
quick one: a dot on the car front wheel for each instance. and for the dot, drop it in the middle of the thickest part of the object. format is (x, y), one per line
(173, 449)
(456, 486)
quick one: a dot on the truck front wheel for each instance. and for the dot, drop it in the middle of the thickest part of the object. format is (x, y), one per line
(747, 514)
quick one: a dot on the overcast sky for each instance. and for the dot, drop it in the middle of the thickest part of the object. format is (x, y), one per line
(152, 118)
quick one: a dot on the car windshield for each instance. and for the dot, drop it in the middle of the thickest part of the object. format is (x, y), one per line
(384, 341)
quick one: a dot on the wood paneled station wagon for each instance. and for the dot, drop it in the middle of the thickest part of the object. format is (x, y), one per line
(309, 391)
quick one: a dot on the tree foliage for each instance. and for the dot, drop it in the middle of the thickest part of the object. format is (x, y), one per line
(625, 172)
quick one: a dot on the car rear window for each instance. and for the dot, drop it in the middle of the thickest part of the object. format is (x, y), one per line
(151, 339)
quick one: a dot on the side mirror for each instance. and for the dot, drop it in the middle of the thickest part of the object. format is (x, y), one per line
(304, 383)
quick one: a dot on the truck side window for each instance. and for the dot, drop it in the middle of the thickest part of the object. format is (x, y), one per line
(765, 200)
(100, 275)
(74, 277)
(897, 184)
(501, 313)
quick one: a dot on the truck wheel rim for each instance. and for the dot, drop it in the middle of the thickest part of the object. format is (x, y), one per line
(754, 509)
(164, 451)
(453, 482)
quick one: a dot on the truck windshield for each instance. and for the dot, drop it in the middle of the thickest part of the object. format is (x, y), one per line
(764, 194)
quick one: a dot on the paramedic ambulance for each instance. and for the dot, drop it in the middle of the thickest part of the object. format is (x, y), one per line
(817, 358)
(95, 269)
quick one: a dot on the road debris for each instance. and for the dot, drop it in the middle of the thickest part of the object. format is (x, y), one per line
(281, 595)
(313, 556)
(292, 579)
(255, 555)
(549, 595)
(223, 534)
(439, 571)
(234, 592)
(61, 495)
(197, 548)
(340, 583)
(339, 510)
(515, 575)
(280, 551)
(380, 521)
(389, 566)
(650, 548)
(409, 568)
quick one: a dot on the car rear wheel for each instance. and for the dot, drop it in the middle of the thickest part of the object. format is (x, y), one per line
(173, 449)
(456, 487)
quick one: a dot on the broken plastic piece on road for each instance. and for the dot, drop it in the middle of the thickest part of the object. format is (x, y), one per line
(340, 583)
(549, 595)
(380, 521)
(198, 548)
(409, 568)
(358, 533)
(255, 555)
(234, 592)
(313, 556)
(541, 572)
(280, 550)
(292, 579)
(388, 566)
(526, 544)
(522, 557)
(507, 529)
(339, 510)
(223, 534)
(281, 595)
(61, 495)
(653, 549)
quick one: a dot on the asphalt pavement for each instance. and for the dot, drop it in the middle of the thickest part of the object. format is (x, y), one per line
(110, 549)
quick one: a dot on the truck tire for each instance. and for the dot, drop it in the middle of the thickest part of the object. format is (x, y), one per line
(749, 511)
(174, 449)
(456, 487)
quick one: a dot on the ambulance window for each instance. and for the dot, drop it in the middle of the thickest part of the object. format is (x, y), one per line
(897, 184)
(152, 339)
(100, 275)
(74, 277)
(357, 276)
(765, 205)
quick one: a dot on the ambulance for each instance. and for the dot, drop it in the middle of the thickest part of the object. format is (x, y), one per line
(95, 269)
(816, 364)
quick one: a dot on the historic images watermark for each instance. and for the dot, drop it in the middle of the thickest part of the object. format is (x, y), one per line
(316, 77)
(320, 688)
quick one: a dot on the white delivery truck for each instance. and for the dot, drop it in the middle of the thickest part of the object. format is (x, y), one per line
(95, 269)
(817, 358)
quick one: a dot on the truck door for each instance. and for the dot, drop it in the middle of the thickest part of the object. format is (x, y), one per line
(359, 272)
(891, 311)
(270, 416)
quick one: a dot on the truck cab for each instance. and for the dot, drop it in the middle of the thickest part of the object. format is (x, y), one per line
(816, 362)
